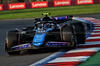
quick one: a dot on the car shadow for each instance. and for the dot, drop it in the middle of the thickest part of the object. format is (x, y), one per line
(37, 52)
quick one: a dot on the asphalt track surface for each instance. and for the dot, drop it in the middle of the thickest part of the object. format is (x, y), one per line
(25, 58)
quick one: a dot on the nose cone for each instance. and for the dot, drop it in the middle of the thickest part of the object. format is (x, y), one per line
(38, 39)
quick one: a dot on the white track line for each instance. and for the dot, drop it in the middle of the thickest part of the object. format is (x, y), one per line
(69, 59)
(39, 62)
(96, 30)
(84, 50)
(90, 43)
(96, 23)
(97, 27)
(93, 38)
(95, 33)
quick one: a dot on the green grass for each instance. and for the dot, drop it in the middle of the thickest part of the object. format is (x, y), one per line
(98, 18)
(55, 11)
(92, 61)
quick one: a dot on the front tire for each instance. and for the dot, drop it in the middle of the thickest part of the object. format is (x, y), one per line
(12, 39)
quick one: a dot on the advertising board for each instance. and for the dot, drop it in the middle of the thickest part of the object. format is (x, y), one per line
(16, 6)
(1, 7)
(62, 2)
(39, 4)
(82, 2)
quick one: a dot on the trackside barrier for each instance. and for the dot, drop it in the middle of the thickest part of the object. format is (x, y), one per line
(73, 2)
(1, 7)
(43, 4)
(96, 1)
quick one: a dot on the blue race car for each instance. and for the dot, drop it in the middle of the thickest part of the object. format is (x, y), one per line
(47, 32)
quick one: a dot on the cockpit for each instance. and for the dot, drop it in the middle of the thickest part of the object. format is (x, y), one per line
(45, 24)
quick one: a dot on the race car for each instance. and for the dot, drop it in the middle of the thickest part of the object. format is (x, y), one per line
(47, 32)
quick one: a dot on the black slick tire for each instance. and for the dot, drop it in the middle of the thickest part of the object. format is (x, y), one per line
(68, 35)
(12, 40)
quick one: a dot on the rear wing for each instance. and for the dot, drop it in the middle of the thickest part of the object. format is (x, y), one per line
(56, 19)
(62, 19)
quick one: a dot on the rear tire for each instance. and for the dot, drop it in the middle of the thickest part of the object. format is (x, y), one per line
(80, 32)
(68, 35)
(74, 42)
(12, 40)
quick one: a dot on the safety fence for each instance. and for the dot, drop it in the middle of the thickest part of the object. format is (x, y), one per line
(43, 4)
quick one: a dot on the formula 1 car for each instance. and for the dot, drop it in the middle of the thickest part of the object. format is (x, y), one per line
(47, 32)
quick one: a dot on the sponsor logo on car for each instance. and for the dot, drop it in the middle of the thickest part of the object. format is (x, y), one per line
(57, 44)
(20, 46)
